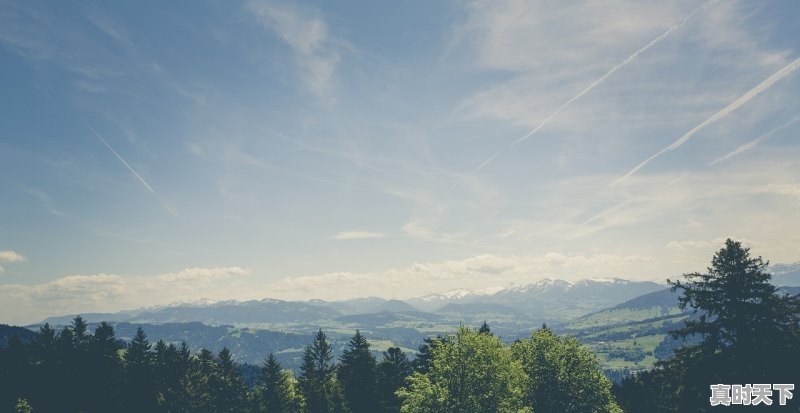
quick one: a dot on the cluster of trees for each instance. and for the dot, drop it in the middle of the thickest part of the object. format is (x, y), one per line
(743, 331)
(75, 371)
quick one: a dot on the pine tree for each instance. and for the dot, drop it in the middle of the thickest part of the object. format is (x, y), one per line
(276, 391)
(484, 328)
(392, 373)
(748, 331)
(357, 374)
(104, 370)
(139, 374)
(229, 389)
(316, 375)
(424, 357)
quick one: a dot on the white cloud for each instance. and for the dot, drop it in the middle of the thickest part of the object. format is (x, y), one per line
(114, 292)
(46, 200)
(11, 256)
(481, 271)
(712, 245)
(306, 32)
(687, 245)
(347, 235)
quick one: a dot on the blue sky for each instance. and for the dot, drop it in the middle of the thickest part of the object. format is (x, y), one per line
(154, 152)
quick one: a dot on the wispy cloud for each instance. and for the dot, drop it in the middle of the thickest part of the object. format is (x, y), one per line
(598, 81)
(480, 271)
(46, 200)
(348, 235)
(736, 104)
(120, 158)
(746, 147)
(306, 32)
(113, 292)
(11, 256)
(709, 246)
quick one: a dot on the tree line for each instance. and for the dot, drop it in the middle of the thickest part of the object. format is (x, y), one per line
(74, 370)
(743, 331)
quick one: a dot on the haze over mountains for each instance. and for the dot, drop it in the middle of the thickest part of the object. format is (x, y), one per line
(625, 322)
(544, 301)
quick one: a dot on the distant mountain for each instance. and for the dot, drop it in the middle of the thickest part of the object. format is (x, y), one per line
(7, 331)
(520, 305)
(786, 274)
(544, 301)
(90, 318)
(366, 305)
(237, 312)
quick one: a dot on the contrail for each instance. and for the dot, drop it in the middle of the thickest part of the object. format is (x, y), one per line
(754, 142)
(117, 155)
(600, 80)
(739, 102)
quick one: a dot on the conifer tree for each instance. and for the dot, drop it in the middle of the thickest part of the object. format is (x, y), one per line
(485, 328)
(357, 374)
(104, 370)
(141, 392)
(276, 390)
(424, 357)
(392, 373)
(745, 329)
(229, 389)
(316, 373)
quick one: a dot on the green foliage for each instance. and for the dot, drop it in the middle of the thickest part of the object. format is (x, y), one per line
(562, 375)
(23, 406)
(469, 372)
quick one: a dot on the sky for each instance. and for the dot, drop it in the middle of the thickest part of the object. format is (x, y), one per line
(159, 152)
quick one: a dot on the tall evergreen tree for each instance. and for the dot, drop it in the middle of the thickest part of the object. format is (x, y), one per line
(316, 374)
(141, 391)
(229, 389)
(392, 373)
(424, 357)
(485, 328)
(275, 392)
(357, 374)
(104, 370)
(747, 333)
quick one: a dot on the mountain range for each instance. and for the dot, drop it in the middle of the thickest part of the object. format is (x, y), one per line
(544, 301)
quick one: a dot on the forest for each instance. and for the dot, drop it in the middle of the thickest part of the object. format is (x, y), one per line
(745, 331)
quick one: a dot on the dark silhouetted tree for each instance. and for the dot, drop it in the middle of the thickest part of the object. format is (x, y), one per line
(140, 389)
(357, 374)
(275, 391)
(316, 375)
(392, 373)
(746, 330)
